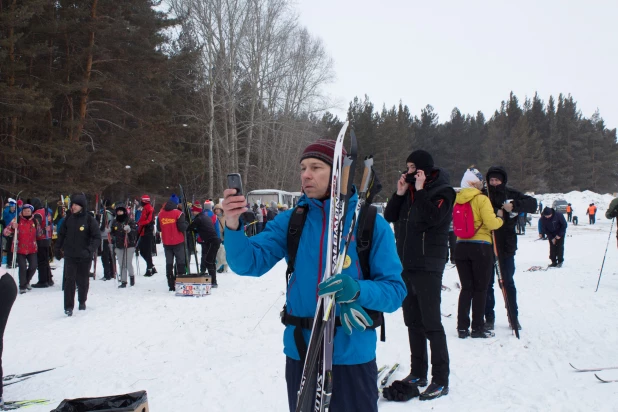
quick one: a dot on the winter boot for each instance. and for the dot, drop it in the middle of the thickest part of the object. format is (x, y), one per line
(68, 312)
(434, 391)
(28, 286)
(221, 268)
(153, 270)
(420, 382)
(482, 333)
(122, 285)
(214, 280)
(489, 324)
(148, 273)
(171, 279)
(132, 280)
(22, 291)
(82, 306)
(463, 333)
(41, 285)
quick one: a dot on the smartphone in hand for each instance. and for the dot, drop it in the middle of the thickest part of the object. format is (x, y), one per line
(235, 182)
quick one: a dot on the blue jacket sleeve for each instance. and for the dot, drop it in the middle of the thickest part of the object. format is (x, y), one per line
(217, 227)
(256, 255)
(386, 290)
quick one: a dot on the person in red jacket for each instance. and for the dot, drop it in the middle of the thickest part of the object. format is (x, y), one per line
(173, 226)
(43, 219)
(145, 229)
(26, 245)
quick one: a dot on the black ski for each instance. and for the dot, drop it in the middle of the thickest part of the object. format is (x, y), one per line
(13, 382)
(606, 380)
(10, 377)
(509, 315)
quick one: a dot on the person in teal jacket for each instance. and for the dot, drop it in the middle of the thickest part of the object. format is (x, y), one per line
(354, 357)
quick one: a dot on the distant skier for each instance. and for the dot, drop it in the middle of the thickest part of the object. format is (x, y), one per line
(107, 252)
(354, 357)
(592, 213)
(43, 240)
(123, 232)
(569, 211)
(78, 236)
(513, 202)
(8, 214)
(207, 236)
(173, 225)
(554, 226)
(27, 258)
(145, 229)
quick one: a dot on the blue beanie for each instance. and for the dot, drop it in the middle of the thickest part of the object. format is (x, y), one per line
(174, 199)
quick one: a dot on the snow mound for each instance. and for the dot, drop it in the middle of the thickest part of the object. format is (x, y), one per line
(580, 201)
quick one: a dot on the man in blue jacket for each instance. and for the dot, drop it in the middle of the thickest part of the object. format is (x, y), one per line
(354, 363)
(8, 214)
(554, 225)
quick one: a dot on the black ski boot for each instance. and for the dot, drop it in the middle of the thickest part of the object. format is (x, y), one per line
(434, 391)
(132, 280)
(68, 312)
(153, 270)
(482, 333)
(463, 333)
(82, 306)
(214, 280)
(148, 273)
(420, 382)
(122, 285)
(41, 285)
(489, 324)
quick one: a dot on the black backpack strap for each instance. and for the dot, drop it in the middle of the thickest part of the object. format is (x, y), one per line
(295, 230)
(364, 241)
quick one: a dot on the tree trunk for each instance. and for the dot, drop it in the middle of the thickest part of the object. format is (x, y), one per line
(84, 91)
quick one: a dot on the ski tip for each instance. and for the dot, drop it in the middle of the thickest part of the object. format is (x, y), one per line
(572, 366)
(597, 376)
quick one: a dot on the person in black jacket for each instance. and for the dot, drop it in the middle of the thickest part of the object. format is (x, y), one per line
(422, 211)
(8, 293)
(123, 233)
(208, 238)
(554, 225)
(79, 236)
(513, 202)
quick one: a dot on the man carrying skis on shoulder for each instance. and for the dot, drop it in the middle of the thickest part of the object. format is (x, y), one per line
(354, 358)
(513, 203)
(554, 226)
(422, 208)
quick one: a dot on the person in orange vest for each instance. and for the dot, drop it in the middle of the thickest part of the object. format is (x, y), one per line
(569, 210)
(173, 225)
(591, 212)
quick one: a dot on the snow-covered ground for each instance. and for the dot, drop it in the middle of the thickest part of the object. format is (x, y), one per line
(224, 352)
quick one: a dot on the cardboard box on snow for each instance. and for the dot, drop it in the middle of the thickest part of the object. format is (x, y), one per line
(193, 285)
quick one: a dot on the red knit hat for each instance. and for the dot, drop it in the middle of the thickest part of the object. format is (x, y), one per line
(146, 199)
(196, 208)
(20, 203)
(323, 150)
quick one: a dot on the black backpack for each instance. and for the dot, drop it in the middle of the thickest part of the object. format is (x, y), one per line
(366, 223)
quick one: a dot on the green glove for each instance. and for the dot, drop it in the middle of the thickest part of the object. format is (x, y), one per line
(344, 288)
(354, 316)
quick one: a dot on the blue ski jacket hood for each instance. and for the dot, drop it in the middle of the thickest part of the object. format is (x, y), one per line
(256, 255)
(7, 215)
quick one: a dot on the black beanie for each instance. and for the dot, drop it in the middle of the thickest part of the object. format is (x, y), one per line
(547, 211)
(421, 159)
(79, 199)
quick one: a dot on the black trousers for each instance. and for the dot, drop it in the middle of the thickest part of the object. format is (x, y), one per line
(27, 266)
(43, 260)
(508, 272)
(107, 260)
(592, 219)
(209, 257)
(174, 252)
(569, 216)
(8, 293)
(76, 274)
(556, 252)
(421, 314)
(145, 249)
(475, 262)
(354, 386)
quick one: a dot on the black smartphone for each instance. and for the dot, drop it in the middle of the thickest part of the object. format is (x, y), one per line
(235, 182)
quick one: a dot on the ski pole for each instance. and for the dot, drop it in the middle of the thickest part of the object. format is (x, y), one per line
(603, 264)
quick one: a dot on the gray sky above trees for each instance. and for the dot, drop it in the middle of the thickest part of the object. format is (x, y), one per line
(470, 54)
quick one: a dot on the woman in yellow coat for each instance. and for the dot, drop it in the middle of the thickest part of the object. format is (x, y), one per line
(474, 256)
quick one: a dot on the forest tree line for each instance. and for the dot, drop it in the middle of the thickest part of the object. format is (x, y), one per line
(127, 97)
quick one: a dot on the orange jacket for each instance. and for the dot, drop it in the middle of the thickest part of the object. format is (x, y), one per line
(569, 209)
(592, 210)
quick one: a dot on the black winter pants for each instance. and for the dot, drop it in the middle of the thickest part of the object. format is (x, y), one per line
(421, 314)
(354, 386)
(145, 249)
(475, 262)
(8, 293)
(76, 273)
(107, 260)
(27, 266)
(507, 264)
(569, 216)
(592, 219)
(43, 260)
(209, 257)
(556, 252)
(452, 242)
(174, 252)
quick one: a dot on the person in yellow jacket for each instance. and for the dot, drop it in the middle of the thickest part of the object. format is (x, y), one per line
(474, 256)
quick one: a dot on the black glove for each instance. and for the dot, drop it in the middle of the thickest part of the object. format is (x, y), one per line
(401, 391)
(58, 254)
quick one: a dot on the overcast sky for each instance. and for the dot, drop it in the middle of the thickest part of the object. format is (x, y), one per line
(470, 54)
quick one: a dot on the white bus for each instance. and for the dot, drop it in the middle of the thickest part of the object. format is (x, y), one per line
(265, 196)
